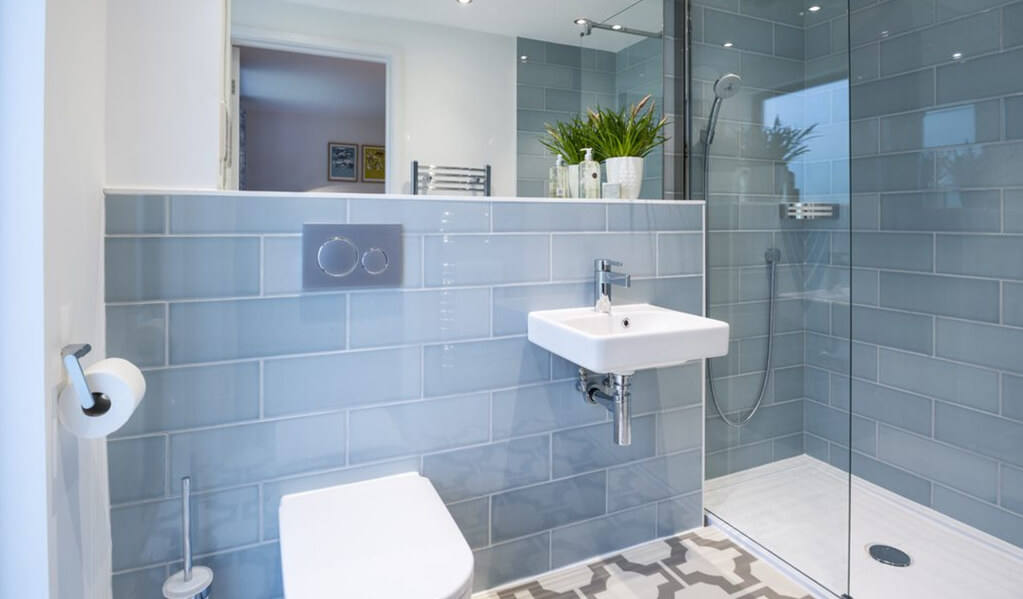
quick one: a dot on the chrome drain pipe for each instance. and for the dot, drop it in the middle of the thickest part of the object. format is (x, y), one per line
(614, 392)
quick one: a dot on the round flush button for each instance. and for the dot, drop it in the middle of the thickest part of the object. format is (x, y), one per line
(374, 261)
(338, 257)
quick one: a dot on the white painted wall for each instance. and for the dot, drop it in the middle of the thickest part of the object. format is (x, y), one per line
(455, 102)
(24, 542)
(74, 171)
(287, 151)
(165, 77)
(54, 531)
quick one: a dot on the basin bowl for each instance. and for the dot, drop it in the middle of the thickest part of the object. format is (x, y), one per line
(632, 337)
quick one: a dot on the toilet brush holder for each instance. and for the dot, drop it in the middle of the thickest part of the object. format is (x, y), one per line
(188, 583)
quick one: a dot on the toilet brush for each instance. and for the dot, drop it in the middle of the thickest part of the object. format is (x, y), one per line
(189, 583)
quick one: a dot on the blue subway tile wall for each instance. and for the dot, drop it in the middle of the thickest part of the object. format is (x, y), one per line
(257, 390)
(943, 253)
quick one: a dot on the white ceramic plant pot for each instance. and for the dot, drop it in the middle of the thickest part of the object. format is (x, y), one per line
(573, 180)
(626, 171)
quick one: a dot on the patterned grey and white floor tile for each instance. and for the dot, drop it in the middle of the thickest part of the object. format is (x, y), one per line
(703, 564)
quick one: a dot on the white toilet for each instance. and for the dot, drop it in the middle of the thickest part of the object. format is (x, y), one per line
(387, 538)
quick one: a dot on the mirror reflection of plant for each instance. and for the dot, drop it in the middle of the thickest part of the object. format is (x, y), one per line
(568, 138)
(626, 132)
(785, 143)
(956, 168)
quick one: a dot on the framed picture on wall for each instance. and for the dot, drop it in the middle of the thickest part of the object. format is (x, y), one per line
(374, 161)
(342, 161)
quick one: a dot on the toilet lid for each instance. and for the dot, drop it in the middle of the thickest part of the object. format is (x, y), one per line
(385, 538)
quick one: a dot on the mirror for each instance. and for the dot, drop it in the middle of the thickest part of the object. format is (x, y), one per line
(471, 85)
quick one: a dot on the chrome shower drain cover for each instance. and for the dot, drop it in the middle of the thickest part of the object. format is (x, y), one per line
(889, 556)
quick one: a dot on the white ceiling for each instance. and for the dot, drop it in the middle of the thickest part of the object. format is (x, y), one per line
(274, 80)
(549, 20)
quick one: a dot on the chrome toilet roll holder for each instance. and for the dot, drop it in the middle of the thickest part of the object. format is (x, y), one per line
(93, 404)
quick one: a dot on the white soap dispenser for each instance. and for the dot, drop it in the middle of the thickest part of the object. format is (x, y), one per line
(589, 176)
(558, 184)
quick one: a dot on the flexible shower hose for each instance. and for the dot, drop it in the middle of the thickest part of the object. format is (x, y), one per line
(772, 261)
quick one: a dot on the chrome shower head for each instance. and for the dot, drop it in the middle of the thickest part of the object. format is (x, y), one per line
(727, 86)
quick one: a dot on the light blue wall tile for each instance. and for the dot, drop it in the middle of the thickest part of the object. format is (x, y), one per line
(477, 471)
(965, 211)
(252, 214)
(423, 216)
(1012, 25)
(738, 248)
(178, 398)
(745, 33)
(139, 583)
(677, 293)
(958, 469)
(274, 490)
(773, 421)
(252, 452)
(893, 479)
(1013, 210)
(1012, 489)
(407, 317)
(911, 171)
(137, 333)
(140, 467)
(282, 265)
(541, 408)
(888, 19)
(524, 511)
(486, 259)
(981, 166)
(983, 77)
(892, 95)
(988, 518)
(563, 100)
(666, 388)
(975, 35)
(828, 353)
(153, 268)
(631, 216)
(506, 562)
(512, 304)
(149, 533)
(679, 514)
(337, 381)
(1014, 115)
(1001, 440)
(210, 331)
(1012, 304)
(679, 430)
(815, 447)
(981, 255)
(529, 96)
(532, 216)
(964, 385)
(897, 251)
(904, 410)
(473, 519)
(602, 535)
(476, 365)
(769, 72)
(818, 41)
(140, 215)
(864, 65)
(653, 480)
(679, 254)
(826, 422)
(419, 427)
(739, 458)
(1012, 396)
(788, 447)
(591, 447)
(974, 299)
(574, 254)
(771, 11)
(983, 345)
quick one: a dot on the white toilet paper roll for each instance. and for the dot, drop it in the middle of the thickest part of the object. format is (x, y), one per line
(121, 381)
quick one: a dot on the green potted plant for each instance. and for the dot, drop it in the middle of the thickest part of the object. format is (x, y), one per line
(568, 138)
(624, 138)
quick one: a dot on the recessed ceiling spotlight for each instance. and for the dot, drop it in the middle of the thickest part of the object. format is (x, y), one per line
(616, 27)
(581, 21)
(463, 2)
(728, 44)
(957, 56)
(813, 8)
(523, 58)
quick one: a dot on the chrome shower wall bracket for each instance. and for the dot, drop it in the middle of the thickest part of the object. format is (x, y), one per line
(808, 210)
(614, 393)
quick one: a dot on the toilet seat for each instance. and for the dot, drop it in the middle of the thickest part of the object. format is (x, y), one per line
(385, 538)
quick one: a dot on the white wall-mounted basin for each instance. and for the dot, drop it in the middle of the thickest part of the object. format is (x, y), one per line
(632, 337)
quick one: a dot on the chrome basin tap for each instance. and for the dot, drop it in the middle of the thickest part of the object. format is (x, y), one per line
(603, 279)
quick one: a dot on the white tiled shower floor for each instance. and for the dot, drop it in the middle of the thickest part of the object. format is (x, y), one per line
(797, 509)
